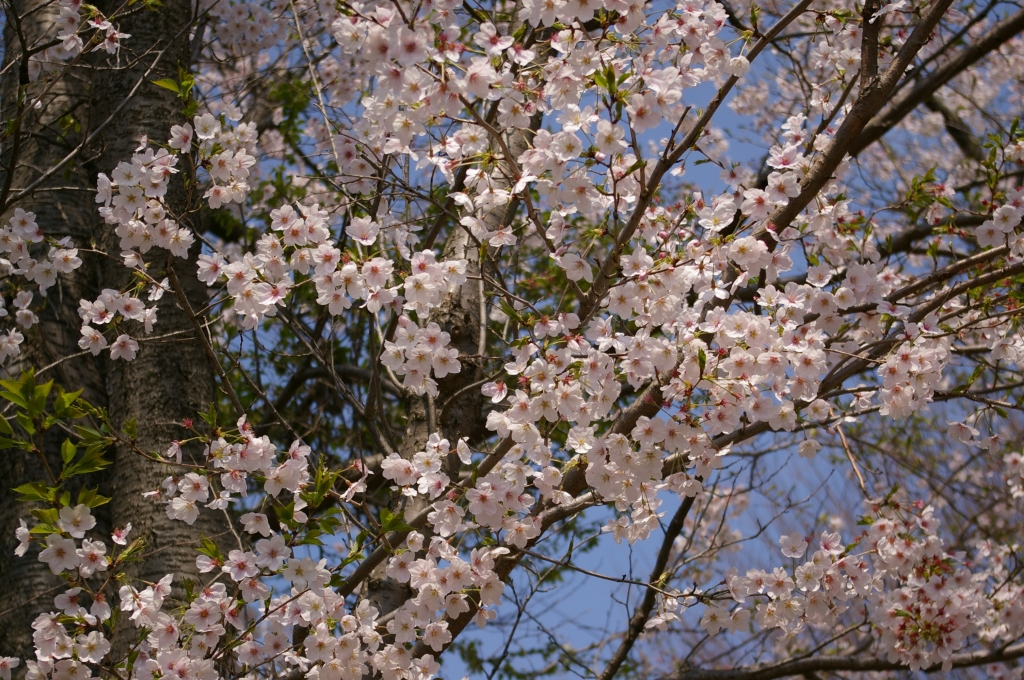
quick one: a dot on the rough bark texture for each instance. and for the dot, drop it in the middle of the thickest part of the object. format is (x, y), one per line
(41, 138)
(171, 379)
(112, 99)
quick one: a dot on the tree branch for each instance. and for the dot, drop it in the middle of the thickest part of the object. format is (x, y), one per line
(835, 664)
(638, 621)
(907, 102)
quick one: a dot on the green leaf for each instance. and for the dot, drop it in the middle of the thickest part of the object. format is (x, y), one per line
(360, 542)
(978, 370)
(26, 422)
(187, 81)
(92, 461)
(329, 524)
(46, 515)
(211, 417)
(11, 385)
(129, 665)
(90, 497)
(312, 537)
(323, 482)
(16, 399)
(130, 428)
(209, 548)
(129, 553)
(88, 434)
(609, 78)
(5, 427)
(34, 491)
(167, 84)
(702, 360)
(64, 400)
(68, 451)
(37, 403)
(392, 522)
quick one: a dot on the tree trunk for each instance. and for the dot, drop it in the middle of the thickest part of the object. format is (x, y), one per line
(171, 379)
(111, 97)
(40, 137)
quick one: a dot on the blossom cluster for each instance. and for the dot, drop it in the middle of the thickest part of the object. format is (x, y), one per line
(240, 460)
(16, 260)
(75, 34)
(661, 313)
(338, 642)
(925, 603)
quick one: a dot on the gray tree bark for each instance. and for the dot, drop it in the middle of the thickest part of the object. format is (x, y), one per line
(113, 103)
(40, 137)
(171, 379)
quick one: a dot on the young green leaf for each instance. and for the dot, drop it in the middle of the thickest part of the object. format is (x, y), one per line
(34, 491)
(68, 451)
(167, 84)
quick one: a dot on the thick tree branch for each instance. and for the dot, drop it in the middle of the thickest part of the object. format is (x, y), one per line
(870, 100)
(668, 159)
(896, 111)
(837, 664)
